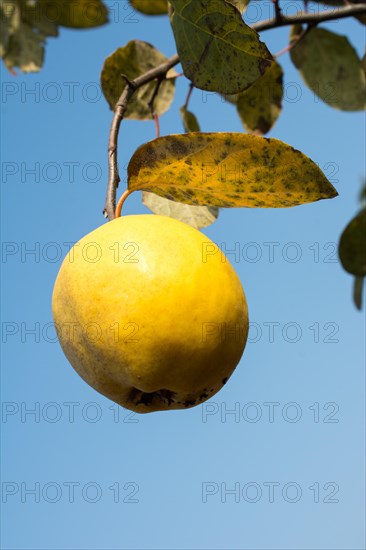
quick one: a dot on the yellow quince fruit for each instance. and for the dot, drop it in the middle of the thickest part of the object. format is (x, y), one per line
(150, 313)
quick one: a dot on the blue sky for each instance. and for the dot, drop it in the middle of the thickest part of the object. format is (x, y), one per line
(276, 459)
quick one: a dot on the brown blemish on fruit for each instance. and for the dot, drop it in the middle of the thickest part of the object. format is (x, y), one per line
(144, 398)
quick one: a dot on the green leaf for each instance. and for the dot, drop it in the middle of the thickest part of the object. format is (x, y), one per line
(363, 63)
(331, 68)
(362, 19)
(26, 23)
(260, 105)
(37, 17)
(196, 216)
(8, 20)
(76, 14)
(217, 50)
(357, 291)
(362, 196)
(231, 98)
(227, 169)
(25, 50)
(133, 60)
(190, 122)
(150, 7)
(352, 245)
(21, 46)
(240, 5)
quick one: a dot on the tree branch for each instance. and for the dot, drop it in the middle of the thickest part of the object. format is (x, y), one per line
(277, 9)
(306, 17)
(120, 109)
(159, 72)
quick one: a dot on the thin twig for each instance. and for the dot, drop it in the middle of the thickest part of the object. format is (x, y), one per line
(295, 41)
(304, 17)
(154, 115)
(190, 90)
(157, 125)
(170, 77)
(121, 202)
(155, 93)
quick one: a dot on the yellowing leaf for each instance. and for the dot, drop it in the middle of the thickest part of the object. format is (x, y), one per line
(260, 105)
(150, 7)
(78, 14)
(227, 169)
(196, 216)
(189, 120)
(331, 68)
(217, 50)
(133, 60)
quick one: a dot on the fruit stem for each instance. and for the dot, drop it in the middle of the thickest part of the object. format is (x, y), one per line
(121, 202)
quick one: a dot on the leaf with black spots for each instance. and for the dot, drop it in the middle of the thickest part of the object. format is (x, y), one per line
(227, 170)
(133, 60)
(330, 67)
(260, 105)
(217, 50)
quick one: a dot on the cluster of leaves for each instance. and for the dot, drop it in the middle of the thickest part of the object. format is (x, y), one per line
(219, 52)
(26, 24)
(190, 176)
(327, 61)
